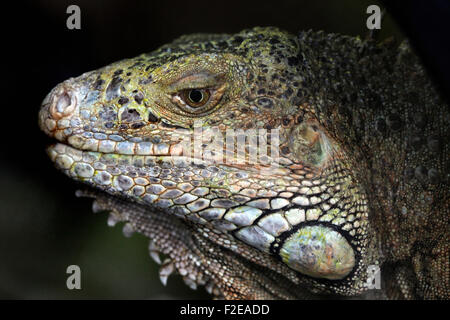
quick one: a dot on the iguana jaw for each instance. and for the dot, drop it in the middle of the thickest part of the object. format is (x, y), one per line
(138, 178)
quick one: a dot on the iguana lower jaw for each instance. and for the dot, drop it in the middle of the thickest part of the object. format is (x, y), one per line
(244, 140)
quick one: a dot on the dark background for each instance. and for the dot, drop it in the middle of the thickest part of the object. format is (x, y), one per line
(43, 226)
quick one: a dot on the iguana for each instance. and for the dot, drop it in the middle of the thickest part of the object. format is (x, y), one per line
(266, 165)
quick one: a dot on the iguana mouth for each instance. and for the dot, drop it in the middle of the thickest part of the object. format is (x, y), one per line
(65, 156)
(100, 142)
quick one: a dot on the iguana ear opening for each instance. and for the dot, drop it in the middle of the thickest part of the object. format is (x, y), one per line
(310, 145)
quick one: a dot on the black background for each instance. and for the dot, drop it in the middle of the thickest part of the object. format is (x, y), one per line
(43, 226)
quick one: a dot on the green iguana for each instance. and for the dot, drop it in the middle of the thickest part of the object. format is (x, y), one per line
(265, 165)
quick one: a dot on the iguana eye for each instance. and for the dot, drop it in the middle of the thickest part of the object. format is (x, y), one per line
(197, 101)
(196, 97)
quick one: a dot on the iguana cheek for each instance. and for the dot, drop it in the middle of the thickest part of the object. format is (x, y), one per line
(319, 252)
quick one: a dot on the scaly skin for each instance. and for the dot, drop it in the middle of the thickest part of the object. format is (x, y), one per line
(361, 177)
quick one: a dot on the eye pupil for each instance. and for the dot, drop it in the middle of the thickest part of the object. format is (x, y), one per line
(195, 96)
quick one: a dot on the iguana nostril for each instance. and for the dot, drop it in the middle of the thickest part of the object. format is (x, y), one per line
(63, 104)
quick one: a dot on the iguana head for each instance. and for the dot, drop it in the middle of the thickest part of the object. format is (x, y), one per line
(220, 130)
